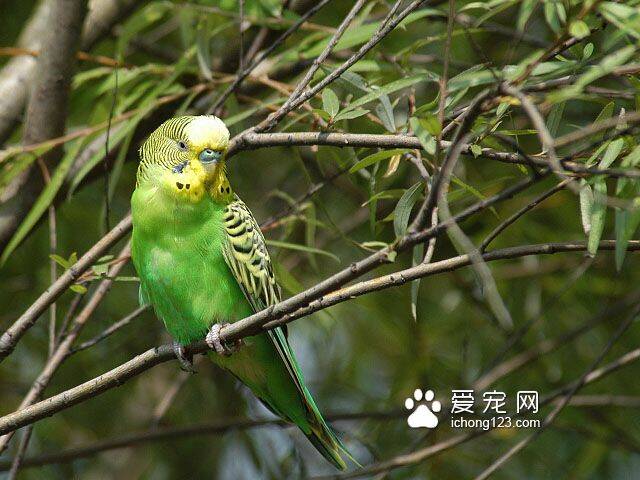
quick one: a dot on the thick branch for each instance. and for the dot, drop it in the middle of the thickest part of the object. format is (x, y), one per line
(47, 108)
(17, 75)
(267, 319)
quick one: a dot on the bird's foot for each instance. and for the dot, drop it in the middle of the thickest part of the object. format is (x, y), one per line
(186, 361)
(214, 342)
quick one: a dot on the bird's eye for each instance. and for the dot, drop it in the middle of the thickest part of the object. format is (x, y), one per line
(182, 145)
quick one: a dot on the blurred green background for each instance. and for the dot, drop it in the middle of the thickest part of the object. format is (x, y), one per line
(368, 354)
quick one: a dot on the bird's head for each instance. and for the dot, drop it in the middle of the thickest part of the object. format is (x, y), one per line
(185, 157)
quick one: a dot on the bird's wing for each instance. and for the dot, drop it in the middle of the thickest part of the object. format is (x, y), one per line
(245, 252)
(246, 255)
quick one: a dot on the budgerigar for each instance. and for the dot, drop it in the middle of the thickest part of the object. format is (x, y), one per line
(203, 262)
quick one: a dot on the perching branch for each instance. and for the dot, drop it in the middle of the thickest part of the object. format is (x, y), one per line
(267, 319)
(13, 334)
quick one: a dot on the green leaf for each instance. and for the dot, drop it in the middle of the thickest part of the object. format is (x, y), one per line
(605, 114)
(376, 157)
(586, 206)
(555, 15)
(386, 90)
(598, 215)
(385, 195)
(502, 108)
(629, 161)
(611, 153)
(431, 124)
(322, 114)
(330, 102)
(606, 66)
(474, 76)
(100, 269)
(554, 118)
(476, 150)
(63, 262)
(627, 222)
(77, 288)
(203, 47)
(403, 209)
(587, 51)
(427, 140)
(384, 109)
(350, 114)
(579, 29)
(625, 17)
(302, 248)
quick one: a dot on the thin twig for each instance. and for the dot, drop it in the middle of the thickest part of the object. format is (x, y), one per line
(123, 322)
(215, 107)
(386, 26)
(513, 218)
(302, 84)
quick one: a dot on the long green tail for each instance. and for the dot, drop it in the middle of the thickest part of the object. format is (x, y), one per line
(320, 435)
(323, 437)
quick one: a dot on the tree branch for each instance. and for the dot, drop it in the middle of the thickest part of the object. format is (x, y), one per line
(12, 335)
(63, 349)
(267, 319)
(254, 141)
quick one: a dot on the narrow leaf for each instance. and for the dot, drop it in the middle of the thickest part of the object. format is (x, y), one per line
(598, 215)
(376, 157)
(403, 209)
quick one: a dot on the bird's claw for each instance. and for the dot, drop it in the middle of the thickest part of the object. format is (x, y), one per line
(186, 361)
(214, 342)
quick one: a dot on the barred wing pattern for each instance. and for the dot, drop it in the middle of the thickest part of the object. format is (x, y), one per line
(246, 254)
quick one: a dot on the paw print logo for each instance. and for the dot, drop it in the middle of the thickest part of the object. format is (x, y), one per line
(423, 409)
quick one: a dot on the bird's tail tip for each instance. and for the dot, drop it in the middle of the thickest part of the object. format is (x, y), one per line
(331, 447)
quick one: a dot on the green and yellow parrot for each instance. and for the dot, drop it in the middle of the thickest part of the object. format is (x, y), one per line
(203, 262)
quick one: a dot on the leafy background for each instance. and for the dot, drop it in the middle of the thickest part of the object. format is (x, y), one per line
(369, 354)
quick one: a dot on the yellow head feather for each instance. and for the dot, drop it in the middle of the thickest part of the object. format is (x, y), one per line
(172, 158)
